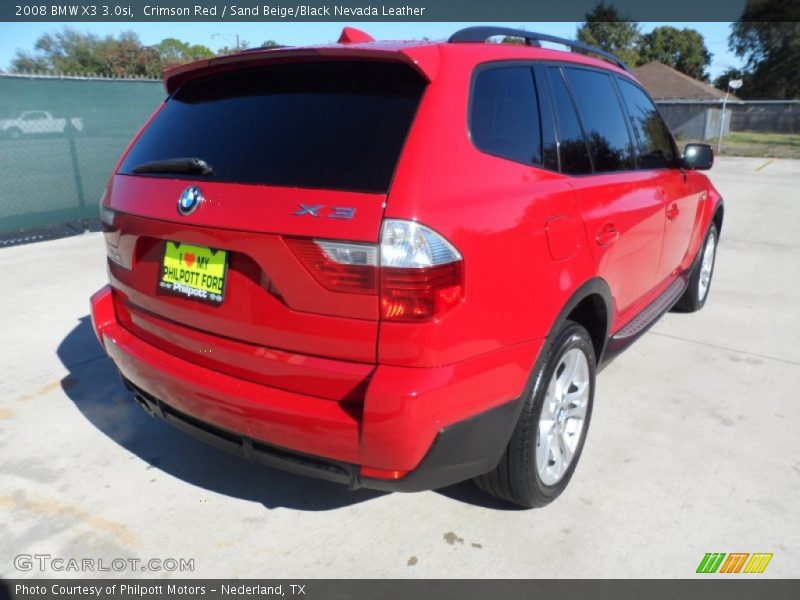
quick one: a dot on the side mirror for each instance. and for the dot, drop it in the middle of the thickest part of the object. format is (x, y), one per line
(698, 157)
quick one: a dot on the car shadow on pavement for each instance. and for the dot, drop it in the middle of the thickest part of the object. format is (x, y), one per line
(468, 493)
(94, 386)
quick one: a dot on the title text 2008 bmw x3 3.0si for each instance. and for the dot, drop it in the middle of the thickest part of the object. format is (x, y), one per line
(399, 265)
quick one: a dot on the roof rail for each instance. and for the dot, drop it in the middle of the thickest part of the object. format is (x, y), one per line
(260, 48)
(481, 34)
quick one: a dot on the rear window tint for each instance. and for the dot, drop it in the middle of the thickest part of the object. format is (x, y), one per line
(602, 119)
(572, 144)
(331, 124)
(504, 119)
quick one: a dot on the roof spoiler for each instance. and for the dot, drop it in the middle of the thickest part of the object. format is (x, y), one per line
(422, 60)
(479, 35)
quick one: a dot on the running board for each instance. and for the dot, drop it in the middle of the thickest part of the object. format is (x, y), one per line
(650, 315)
(634, 329)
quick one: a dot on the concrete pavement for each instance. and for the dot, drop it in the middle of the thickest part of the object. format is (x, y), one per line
(693, 445)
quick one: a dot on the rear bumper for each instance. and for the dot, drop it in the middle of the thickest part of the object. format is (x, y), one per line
(416, 429)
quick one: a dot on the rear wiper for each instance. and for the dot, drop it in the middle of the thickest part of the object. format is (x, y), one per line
(176, 165)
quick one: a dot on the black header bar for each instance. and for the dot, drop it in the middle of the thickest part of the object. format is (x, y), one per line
(353, 11)
(738, 588)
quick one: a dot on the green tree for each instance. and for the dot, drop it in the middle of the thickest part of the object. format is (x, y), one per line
(174, 52)
(25, 62)
(65, 51)
(270, 44)
(606, 29)
(767, 37)
(125, 56)
(73, 52)
(682, 49)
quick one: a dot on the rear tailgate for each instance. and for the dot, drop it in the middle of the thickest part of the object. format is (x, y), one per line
(306, 149)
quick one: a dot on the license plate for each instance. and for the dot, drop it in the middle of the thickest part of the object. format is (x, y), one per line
(194, 271)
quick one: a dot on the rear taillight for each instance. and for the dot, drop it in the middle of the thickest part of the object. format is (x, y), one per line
(421, 272)
(339, 267)
(110, 226)
(108, 218)
(417, 272)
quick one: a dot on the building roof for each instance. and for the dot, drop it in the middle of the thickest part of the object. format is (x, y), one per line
(665, 83)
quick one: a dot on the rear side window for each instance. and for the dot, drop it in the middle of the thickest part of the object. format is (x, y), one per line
(504, 117)
(652, 135)
(602, 118)
(571, 142)
(330, 124)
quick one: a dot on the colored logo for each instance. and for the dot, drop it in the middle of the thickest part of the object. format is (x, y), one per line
(189, 200)
(735, 562)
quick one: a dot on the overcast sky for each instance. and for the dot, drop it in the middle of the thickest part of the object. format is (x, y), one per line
(15, 36)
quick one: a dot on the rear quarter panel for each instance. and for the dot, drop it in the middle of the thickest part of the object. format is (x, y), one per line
(496, 213)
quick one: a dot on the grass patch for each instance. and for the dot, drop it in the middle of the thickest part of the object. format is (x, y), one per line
(751, 143)
(772, 139)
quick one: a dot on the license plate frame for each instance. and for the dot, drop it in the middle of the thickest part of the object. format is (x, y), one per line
(193, 271)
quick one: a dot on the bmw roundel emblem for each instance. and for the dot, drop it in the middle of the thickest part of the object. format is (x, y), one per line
(190, 199)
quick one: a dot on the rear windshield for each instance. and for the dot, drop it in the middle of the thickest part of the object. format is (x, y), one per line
(332, 124)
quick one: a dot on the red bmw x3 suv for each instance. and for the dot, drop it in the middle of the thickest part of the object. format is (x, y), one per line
(399, 265)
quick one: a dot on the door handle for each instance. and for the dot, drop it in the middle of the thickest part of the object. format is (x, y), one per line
(607, 235)
(673, 212)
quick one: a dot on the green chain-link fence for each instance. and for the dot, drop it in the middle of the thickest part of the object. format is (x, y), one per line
(60, 138)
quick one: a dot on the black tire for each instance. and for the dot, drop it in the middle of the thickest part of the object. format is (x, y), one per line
(516, 478)
(694, 298)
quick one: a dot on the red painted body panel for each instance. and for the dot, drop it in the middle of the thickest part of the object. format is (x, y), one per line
(249, 208)
(283, 418)
(405, 408)
(402, 412)
(708, 204)
(494, 211)
(681, 197)
(311, 375)
(628, 210)
(270, 298)
(289, 362)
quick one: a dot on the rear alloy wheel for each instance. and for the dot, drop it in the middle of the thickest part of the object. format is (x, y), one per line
(562, 417)
(694, 298)
(547, 442)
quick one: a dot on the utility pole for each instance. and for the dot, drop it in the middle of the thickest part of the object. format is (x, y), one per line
(733, 84)
(225, 36)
